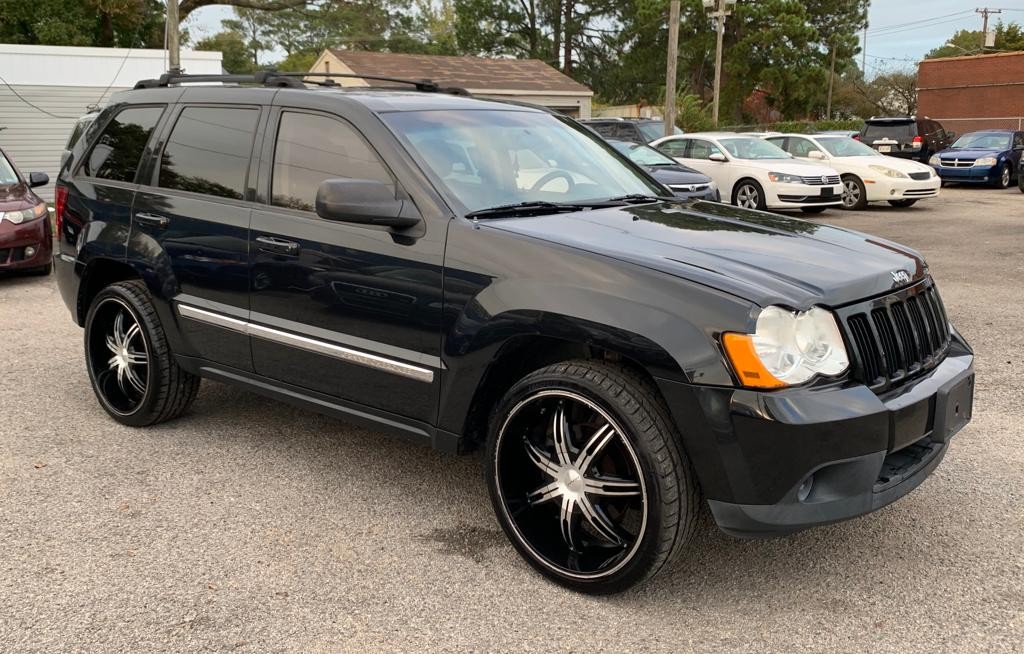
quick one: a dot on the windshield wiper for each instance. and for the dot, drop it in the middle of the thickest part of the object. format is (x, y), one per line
(538, 208)
(631, 198)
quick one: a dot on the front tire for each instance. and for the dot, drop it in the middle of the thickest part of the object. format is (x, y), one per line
(749, 195)
(587, 476)
(133, 373)
(902, 204)
(855, 195)
(1005, 177)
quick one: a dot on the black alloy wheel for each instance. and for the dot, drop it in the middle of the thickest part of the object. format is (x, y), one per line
(135, 377)
(574, 480)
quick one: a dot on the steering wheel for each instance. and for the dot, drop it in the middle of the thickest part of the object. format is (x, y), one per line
(551, 176)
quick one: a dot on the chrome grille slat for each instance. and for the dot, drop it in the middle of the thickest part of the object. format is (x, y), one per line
(817, 181)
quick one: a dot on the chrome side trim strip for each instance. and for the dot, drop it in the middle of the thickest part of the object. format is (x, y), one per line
(309, 344)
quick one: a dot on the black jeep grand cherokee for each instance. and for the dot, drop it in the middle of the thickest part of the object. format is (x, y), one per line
(469, 273)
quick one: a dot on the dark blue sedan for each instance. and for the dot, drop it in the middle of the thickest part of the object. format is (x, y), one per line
(990, 157)
(684, 182)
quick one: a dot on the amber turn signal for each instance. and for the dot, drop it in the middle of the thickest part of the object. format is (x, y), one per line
(740, 350)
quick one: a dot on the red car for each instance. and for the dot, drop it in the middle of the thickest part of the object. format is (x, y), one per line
(26, 237)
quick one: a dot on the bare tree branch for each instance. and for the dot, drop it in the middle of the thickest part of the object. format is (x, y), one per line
(186, 7)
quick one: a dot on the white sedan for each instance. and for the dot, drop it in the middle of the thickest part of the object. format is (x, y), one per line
(867, 175)
(755, 174)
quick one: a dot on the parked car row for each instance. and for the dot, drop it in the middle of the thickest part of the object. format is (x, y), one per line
(26, 238)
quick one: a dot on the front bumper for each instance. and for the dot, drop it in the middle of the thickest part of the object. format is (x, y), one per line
(772, 463)
(14, 239)
(902, 189)
(796, 196)
(971, 175)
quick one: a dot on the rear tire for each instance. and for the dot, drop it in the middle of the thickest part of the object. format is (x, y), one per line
(855, 195)
(749, 195)
(133, 373)
(902, 204)
(588, 478)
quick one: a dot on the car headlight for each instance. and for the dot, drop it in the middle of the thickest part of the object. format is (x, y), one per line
(888, 172)
(787, 348)
(786, 178)
(18, 217)
(935, 161)
(985, 161)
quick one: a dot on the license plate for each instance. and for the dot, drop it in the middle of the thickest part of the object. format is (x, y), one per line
(885, 148)
(959, 405)
(827, 192)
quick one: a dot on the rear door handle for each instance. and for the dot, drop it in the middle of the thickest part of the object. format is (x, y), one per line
(277, 245)
(153, 220)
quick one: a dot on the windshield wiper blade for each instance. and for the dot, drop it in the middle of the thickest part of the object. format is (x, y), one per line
(633, 198)
(522, 208)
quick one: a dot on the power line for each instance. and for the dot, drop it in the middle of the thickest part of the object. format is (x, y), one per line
(920, 22)
(119, 68)
(36, 107)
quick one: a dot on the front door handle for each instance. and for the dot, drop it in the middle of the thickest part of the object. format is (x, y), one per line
(153, 220)
(277, 245)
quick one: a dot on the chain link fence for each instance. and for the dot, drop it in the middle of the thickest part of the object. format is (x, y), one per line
(965, 125)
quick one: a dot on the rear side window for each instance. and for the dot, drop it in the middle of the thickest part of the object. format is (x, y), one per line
(676, 148)
(117, 151)
(208, 151)
(313, 148)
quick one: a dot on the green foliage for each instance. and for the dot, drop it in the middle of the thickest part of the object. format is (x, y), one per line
(237, 57)
(106, 23)
(1009, 38)
(800, 126)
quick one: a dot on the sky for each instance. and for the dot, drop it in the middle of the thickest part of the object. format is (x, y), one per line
(899, 33)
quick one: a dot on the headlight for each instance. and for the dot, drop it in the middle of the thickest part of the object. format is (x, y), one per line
(888, 172)
(18, 217)
(786, 178)
(935, 161)
(985, 161)
(787, 348)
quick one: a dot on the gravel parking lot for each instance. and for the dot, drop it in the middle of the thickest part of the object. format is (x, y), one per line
(249, 525)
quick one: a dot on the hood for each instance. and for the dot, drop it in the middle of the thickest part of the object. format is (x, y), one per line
(970, 153)
(790, 166)
(762, 257)
(15, 197)
(902, 165)
(677, 175)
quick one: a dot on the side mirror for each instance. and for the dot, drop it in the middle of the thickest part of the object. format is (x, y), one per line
(364, 202)
(717, 156)
(951, 135)
(38, 179)
(816, 154)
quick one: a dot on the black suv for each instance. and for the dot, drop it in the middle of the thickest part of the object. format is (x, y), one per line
(634, 130)
(909, 137)
(476, 274)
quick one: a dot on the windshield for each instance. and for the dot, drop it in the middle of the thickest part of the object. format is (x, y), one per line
(7, 174)
(745, 147)
(644, 155)
(844, 147)
(655, 129)
(983, 141)
(492, 158)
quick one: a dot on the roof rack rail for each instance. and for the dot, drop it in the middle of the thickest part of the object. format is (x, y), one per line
(290, 80)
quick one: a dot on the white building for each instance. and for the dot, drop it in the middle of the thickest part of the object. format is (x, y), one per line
(45, 89)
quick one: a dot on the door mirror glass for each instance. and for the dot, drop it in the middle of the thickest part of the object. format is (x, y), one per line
(364, 202)
(717, 156)
(38, 179)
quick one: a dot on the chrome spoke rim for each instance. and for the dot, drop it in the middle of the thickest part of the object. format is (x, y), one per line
(571, 484)
(118, 356)
(851, 193)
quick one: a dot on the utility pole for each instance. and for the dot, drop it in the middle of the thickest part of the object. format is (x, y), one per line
(864, 52)
(985, 12)
(719, 15)
(831, 83)
(670, 69)
(173, 37)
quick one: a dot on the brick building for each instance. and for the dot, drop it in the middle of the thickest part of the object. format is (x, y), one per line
(975, 92)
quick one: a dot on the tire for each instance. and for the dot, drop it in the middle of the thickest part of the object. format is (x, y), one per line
(141, 384)
(902, 204)
(813, 209)
(1005, 178)
(749, 195)
(855, 195)
(631, 505)
(43, 271)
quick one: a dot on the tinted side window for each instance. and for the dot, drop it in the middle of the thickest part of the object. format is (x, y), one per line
(1018, 140)
(118, 150)
(313, 148)
(208, 151)
(604, 129)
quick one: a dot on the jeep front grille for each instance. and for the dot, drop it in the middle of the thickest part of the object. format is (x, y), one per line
(896, 337)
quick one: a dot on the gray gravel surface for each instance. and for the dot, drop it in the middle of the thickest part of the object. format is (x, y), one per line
(249, 525)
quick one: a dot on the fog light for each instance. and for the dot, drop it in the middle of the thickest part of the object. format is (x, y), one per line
(804, 491)
(29, 252)
(892, 191)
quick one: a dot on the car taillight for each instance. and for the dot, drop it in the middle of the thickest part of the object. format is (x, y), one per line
(60, 201)
(916, 143)
(856, 137)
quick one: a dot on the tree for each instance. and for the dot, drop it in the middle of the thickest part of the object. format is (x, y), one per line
(1009, 37)
(250, 25)
(237, 58)
(892, 93)
(105, 23)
